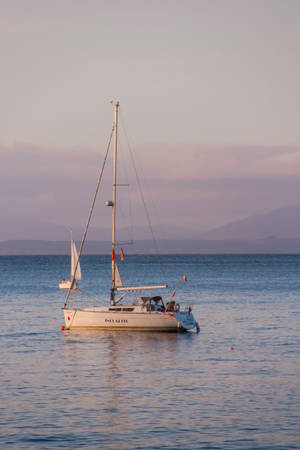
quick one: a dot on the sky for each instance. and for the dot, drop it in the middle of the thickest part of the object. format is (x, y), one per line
(210, 103)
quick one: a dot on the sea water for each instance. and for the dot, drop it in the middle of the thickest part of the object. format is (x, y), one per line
(235, 385)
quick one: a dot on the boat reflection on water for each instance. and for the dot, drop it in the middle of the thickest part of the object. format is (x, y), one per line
(114, 355)
(110, 342)
(122, 375)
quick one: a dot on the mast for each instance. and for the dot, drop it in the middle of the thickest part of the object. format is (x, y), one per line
(113, 240)
(72, 255)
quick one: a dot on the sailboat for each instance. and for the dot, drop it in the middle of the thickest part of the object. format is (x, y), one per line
(75, 268)
(148, 313)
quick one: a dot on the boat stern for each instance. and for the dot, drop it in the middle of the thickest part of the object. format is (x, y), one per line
(186, 320)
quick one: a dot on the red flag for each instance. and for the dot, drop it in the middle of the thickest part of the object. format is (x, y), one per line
(113, 255)
(173, 294)
(122, 255)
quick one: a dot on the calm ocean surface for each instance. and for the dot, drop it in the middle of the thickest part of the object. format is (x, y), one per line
(134, 390)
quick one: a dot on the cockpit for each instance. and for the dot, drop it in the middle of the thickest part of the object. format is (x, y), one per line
(152, 303)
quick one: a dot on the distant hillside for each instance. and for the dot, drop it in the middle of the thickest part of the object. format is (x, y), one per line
(283, 223)
(43, 231)
(269, 245)
(40, 247)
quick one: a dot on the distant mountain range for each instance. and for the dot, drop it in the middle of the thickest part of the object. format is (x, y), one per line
(268, 245)
(275, 232)
(27, 230)
(283, 223)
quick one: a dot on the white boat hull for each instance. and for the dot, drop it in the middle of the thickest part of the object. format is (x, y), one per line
(101, 318)
(66, 284)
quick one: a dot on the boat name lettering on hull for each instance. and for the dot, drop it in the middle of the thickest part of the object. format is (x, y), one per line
(116, 320)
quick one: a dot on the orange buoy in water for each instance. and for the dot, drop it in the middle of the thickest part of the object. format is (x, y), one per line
(231, 348)
(62, 328)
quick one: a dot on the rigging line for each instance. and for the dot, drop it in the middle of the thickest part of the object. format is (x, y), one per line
(130, 213)
(124, 170)
(89, 217)
(143, 199)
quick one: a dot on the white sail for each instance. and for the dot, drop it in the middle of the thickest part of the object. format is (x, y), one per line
(74, 258)
(118, 281)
